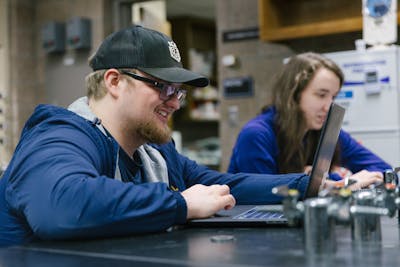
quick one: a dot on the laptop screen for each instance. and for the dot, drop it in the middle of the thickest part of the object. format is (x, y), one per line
(325, 149)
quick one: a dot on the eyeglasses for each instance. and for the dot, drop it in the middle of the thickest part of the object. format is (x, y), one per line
(167, 91)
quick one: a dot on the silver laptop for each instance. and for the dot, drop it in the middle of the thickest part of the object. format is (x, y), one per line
(261, 215)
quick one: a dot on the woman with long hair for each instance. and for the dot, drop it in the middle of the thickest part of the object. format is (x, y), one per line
(284, 136)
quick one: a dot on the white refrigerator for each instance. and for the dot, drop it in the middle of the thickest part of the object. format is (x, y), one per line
(371, 95)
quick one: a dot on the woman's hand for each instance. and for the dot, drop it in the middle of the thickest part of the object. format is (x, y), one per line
(308, 169)
(362, 179)
(365, 178)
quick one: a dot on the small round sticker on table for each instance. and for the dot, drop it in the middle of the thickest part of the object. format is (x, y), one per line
(222, 238)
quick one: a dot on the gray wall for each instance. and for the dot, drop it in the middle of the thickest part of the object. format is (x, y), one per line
(62, 82)
(36, 77)
(24, 84)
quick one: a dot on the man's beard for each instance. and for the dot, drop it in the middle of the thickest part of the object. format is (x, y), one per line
(153, 134)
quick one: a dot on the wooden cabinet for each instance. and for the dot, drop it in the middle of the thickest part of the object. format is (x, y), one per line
(289, 19)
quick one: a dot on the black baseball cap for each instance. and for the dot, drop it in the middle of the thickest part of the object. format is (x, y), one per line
(147, 50)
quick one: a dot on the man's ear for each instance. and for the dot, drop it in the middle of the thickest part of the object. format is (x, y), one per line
(112, 78)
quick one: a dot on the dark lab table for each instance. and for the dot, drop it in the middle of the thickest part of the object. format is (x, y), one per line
(268, 246)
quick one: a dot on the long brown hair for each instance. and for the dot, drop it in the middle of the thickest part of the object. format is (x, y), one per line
(296, 150)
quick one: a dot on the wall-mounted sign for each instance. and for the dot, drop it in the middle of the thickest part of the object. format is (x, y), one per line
(238, 87)
(243, 34)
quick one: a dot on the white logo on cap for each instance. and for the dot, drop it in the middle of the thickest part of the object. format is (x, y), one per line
(174, 51)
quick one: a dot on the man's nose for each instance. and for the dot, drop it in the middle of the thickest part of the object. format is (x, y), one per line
(173, 102)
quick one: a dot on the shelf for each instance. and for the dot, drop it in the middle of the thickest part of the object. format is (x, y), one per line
(290, 19)
(198, 118)
(313, 29)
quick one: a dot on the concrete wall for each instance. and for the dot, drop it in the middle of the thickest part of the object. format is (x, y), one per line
(24, 84)
(63, 82)
(5, 130)
(35, 76)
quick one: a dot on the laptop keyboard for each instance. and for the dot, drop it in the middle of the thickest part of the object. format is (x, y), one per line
(256, 213)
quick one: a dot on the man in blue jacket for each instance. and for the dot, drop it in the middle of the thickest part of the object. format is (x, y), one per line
(106, 166)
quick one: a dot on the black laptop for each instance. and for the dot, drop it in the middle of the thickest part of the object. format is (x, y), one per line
(262, 215)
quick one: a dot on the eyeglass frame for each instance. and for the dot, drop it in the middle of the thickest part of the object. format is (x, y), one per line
(163, 88)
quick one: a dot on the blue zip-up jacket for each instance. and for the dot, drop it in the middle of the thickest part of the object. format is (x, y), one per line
(59, 184)
(256, 150)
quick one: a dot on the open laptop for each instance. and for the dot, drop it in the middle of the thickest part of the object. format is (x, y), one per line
(261, 215)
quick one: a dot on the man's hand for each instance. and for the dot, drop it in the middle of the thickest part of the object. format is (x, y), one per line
(203, 201)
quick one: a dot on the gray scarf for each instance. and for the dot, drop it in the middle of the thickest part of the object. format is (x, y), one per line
(154, 165)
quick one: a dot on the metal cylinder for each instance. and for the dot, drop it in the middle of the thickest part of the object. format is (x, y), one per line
(319, 230)
(365, 226)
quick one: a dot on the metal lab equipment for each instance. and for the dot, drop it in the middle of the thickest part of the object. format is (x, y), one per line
(362, 210)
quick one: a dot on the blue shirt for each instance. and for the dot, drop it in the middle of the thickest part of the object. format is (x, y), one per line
(256, 150)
